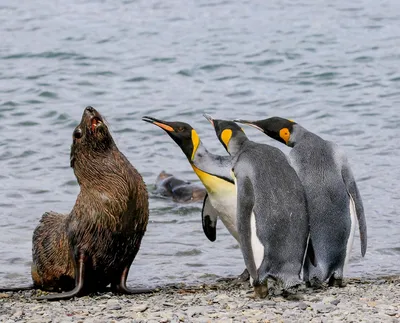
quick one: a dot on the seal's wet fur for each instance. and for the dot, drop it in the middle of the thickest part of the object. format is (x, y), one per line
(96, 243)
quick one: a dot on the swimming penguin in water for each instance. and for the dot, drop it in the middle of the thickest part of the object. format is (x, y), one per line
(214, 173)
(334, 202)
(272, 218)
(181, 191)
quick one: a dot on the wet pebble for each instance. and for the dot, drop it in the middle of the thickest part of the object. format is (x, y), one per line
(224, 303)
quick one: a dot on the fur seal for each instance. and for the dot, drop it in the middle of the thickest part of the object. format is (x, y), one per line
(181, 191)
(95, 244)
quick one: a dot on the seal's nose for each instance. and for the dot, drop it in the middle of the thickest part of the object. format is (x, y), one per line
(89, 109)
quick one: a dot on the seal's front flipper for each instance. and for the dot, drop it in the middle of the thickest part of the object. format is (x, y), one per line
(79, 282)
(121, 288)
(209, 217)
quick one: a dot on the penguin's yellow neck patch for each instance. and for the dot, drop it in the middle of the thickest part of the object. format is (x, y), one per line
(233, 175)
(195, 141)
(284, 133)
(214, 184)
(226, 136)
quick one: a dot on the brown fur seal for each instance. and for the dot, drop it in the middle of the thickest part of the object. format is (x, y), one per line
(180, 191)
(96, 243)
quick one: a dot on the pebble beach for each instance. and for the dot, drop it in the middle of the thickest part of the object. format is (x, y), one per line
(362, 300)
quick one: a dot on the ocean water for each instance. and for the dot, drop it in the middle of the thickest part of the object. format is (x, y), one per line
(331, 66)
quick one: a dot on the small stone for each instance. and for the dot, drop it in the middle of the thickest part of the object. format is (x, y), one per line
(277, 311)
(327, 300)
(4, 295)
(323, 308)
(303, 306)
(140, 308)
(292, 305)
(219, 298)
(17, 314)
(335, 302)
(113, 305)
(392, 313)
(168, 304)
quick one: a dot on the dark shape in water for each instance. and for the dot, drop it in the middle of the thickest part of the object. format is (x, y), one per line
(181, 191)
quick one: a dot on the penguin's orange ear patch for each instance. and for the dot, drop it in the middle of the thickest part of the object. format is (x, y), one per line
(195, 142)
(226, 136)
(284, 133)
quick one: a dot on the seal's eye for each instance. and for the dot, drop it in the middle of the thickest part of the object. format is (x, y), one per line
(77, 133)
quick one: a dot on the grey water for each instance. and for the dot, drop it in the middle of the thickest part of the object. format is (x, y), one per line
(333, 67)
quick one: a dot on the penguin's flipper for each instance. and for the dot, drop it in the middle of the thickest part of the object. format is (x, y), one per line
(245, 204)
(355, 198)
(209, 217)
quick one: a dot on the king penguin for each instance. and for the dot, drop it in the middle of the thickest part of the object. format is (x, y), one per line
(214, 173)
(272, 218)
(334, 202)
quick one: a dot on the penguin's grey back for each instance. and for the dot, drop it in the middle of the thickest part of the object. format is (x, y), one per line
(279, 208)
(318, 164)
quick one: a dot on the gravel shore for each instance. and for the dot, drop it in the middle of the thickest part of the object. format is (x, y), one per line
(362, 300)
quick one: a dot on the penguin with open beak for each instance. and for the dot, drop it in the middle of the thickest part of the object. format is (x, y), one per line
(214, 173)
(334, 201)
(272, 219)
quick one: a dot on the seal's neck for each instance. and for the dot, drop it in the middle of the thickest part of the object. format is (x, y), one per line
(96, 169)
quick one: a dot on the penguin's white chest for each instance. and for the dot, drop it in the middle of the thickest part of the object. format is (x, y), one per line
(225, 203)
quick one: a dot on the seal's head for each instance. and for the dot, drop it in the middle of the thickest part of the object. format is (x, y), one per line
(90, 138)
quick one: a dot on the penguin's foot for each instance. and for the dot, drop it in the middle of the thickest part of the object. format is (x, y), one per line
(314, 283)
(292, 295)
(336, 282)
(244, 276)
(226, 279)
(261, 291)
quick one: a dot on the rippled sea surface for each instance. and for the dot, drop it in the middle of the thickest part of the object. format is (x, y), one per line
(331, 66)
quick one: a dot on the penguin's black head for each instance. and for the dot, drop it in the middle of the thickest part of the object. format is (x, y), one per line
(182, 133)
(277, 128)
(229, 133)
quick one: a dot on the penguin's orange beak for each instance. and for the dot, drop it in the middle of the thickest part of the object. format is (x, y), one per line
(160, 123)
